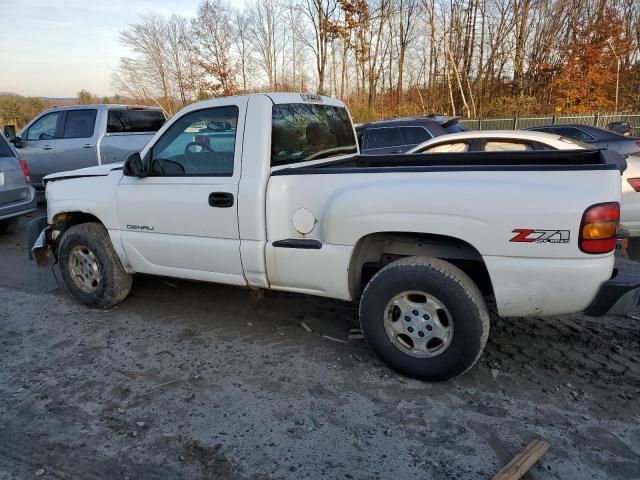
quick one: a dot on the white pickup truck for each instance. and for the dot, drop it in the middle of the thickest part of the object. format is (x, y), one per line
(268, 191)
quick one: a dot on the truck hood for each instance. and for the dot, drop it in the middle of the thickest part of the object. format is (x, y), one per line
(97, 171)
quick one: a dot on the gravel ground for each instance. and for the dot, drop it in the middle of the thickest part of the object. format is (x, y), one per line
(189, 380)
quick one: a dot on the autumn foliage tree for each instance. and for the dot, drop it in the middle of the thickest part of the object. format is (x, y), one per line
(477, 58)
(587, 81)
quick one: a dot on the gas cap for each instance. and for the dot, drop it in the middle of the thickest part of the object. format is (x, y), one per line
(303, 221)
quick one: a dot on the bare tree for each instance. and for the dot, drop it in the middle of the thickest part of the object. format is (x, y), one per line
(265, 38)
(212, 35)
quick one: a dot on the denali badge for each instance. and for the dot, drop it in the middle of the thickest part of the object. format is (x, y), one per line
(530, 235)
(139, 227)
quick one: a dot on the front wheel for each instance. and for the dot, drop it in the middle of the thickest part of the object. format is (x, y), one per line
(90, 268)
(425, 318)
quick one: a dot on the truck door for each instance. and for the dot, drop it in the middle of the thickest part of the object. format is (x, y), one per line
(182, 220)
(39, 145)
(77, 146)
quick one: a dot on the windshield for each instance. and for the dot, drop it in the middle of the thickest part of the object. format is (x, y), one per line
(302, 132)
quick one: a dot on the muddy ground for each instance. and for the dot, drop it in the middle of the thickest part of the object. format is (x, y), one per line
(189, 380)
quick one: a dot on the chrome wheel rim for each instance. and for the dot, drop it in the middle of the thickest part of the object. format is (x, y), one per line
(418, 324)
(84, 268)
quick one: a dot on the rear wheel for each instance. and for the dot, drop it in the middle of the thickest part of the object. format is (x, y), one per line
(8, 225)
(90, 268)
(425, 318)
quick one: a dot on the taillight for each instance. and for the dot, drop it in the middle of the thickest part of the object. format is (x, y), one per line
(638, 143)
(25, 170)
(598, 228)
(635, 183)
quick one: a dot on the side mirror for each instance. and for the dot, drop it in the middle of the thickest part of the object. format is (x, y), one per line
(9, 131)
(134, 167)
(17, 141)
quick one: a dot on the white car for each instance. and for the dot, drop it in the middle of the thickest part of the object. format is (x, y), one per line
(523, 140)
(268, 191)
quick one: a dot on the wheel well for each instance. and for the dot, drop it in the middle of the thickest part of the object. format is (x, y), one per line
(65, 220)
(375, 251)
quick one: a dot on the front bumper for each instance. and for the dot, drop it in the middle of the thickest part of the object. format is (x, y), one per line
(620, 294)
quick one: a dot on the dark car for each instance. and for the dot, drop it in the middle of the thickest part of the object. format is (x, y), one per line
(402, 134)
(598, 137)
(623, 128)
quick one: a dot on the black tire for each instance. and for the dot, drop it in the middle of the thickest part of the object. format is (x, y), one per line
(8, 225)
(453, 289)
(112, 283)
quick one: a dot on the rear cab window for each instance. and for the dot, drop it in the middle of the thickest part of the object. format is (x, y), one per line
(5, 149)
(134, 120)
(303, 132)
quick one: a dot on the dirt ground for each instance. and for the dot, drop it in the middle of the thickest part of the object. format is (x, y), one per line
(190, 380)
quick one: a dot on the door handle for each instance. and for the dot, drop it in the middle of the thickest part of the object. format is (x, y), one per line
(393, 152)
(47, 147)
(87, 145)
(221, 199)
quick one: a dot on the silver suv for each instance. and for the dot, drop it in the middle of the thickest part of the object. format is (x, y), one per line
(17, 196)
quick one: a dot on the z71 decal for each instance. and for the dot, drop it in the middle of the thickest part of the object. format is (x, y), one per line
(531, 235)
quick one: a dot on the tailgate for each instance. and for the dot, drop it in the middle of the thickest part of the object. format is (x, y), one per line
(13, 186)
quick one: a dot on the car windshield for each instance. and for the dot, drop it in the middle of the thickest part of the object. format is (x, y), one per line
(576, 142)
(302, 132)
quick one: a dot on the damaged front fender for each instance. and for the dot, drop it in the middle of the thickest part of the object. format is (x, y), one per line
(40, 238)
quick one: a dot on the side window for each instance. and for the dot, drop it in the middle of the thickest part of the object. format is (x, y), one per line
(574, 133)
(415, 135)
(44, 128)
(134, 120)
(506, 146)
(201, 143)
(383, 137)
(456, 147)
(79, 124)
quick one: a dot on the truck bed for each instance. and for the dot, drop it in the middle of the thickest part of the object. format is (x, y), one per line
(469, 161)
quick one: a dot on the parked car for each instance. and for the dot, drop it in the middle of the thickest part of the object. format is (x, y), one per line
(283, 201)
(523, 140)
(598, 137)
(623, 128)
(401, 134)
(17, 196)
(498, 141)
(69, 138)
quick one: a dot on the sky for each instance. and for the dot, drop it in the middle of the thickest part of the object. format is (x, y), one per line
(55, 48)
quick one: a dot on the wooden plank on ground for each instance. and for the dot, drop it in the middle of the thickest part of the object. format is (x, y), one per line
(522, 462)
